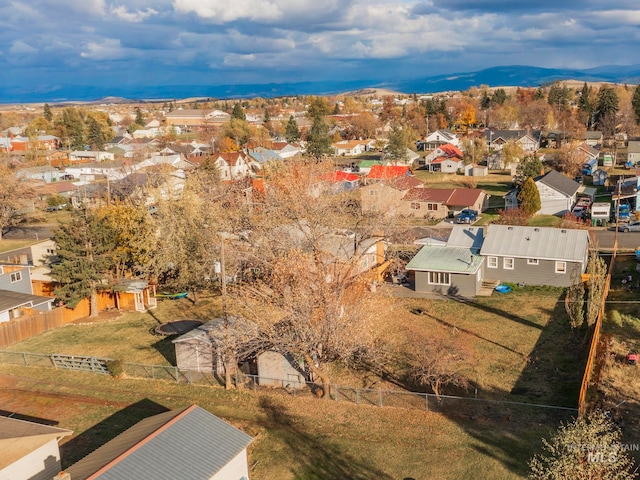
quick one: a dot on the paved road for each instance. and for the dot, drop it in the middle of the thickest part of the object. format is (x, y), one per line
(24, 232)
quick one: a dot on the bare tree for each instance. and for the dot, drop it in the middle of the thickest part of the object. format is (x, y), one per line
(313, 249)
(438, 360)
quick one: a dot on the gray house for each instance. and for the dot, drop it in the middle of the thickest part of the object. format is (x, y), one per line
(534, 255)
(453, 269)
(557, 193)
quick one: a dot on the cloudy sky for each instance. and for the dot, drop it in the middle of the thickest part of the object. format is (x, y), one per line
(47, 43)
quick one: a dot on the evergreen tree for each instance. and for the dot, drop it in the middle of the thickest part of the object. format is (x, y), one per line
(499, 96)
(635, 103)
(318, 139)
(529, 197)
(47, 113)
(139, 117)
(585, 108)
(70, 128)
(606, 109)
(292, 132)
(398, 143)
(266, 118)
(559, 96)
(485, 100)
(83, 252)
(238, 112)
(95, 136)
(336, 109)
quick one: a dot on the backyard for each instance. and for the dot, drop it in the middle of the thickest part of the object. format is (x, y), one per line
(516, 343)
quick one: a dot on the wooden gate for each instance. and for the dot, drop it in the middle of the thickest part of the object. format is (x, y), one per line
(87, 364)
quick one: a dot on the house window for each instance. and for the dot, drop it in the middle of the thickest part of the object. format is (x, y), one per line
(432, 207)
(16, 277)
(507, 263)
(439, 278)
(561, 267)
(415, 206)
(492, 262)
(532, 261)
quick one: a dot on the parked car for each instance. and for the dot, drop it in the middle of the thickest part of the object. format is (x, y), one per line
(467, 216)
(629, 227)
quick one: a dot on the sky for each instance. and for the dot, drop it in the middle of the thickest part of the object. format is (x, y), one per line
(46, 44)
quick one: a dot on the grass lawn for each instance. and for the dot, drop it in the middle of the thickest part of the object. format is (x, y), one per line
(295, 438)
(518, 342)
(545, 221)
(8, 245)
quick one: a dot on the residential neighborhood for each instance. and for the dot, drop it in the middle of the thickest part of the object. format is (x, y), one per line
(251, 288)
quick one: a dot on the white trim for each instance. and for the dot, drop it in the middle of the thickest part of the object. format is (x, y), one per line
(492, 262)
(15, 277)
(445, 275)
(561, 267)
(508, 263)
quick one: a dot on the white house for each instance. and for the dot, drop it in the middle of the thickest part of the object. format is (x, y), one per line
(29, 450)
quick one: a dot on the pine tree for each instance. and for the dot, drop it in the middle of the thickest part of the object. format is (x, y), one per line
(529, 197)
(398, 143)
(606, 109)
(95, 136)
(47, 113)
(635, 102)
(292, 132)
(238, 112)
(139, 117)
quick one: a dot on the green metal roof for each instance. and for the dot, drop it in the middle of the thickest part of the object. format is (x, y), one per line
(446, 259)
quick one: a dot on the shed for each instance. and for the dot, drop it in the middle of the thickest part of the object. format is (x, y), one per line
(277, 370)
(133, 294)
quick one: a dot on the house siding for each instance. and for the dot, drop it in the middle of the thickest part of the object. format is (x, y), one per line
(384, 198)
(21, 286)
(461, 285)
(553, 202)
(41, 464)
(195, 355)
(236, 469)
(541, 274)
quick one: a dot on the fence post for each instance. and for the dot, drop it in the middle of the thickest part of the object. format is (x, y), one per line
(335, 387)
(177, 375)
(380, 397)
(426, 401)
(24, 359)
(357, 396)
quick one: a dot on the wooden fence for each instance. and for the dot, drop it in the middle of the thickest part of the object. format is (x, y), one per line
(22, 328)
(595, 340)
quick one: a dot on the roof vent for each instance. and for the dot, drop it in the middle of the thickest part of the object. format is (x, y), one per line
(510, 228)
(563, 231)
(536, 229)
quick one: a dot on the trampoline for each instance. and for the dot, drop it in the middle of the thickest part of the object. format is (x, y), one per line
(177, 327)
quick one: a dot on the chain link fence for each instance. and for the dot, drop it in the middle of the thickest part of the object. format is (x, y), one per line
(453, 406)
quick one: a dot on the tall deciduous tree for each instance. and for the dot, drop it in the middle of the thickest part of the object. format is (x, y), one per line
(47, 113)
(14, 191)
(530, 166)
(310, 302)
(71, 129)
(587, 448)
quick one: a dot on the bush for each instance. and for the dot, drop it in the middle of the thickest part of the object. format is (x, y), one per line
(116, 368)
(615, 318)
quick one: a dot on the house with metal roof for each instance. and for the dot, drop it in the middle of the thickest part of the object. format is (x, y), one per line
(186, 444)
(534, 255)
(474, 256)
(29, 450)
(557, 194)
(452, 269)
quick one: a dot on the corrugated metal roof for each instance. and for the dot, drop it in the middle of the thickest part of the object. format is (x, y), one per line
(445, 259)
(10, 300)
(466, 237)
(186, 444)
(536, 242)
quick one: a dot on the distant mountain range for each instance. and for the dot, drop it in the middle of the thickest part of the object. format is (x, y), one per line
(520, 76)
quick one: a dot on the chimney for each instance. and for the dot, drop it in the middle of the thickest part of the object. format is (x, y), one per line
(62, 476)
